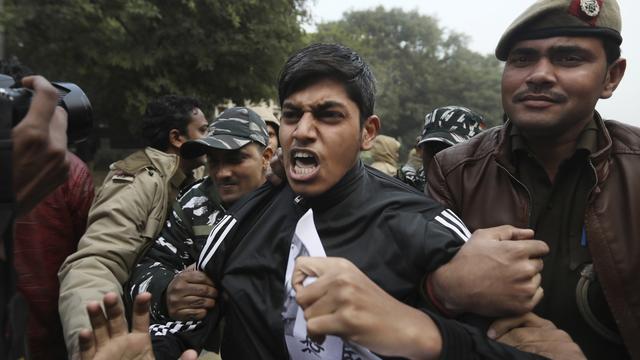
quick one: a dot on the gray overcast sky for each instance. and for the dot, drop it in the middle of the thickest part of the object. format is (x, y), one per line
(484, 22)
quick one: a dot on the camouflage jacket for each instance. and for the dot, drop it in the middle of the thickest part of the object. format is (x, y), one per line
(409, 175)
(178, 245)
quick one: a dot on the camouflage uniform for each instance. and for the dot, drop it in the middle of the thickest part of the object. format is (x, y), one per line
(194, 214)
(177, 246)
(409, 175)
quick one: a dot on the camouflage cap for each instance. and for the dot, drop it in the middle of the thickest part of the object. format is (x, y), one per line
(550, 18)
(233, 129)
(451, 125)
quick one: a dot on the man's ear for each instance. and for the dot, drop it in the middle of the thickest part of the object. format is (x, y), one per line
(370, 130)
(615, 72)
(267, 153)
(176, 139)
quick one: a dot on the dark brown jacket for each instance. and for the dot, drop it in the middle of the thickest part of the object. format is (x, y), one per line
(475, 179)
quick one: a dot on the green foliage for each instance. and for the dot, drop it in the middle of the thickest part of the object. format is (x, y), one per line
(418, 66)
(123, 52)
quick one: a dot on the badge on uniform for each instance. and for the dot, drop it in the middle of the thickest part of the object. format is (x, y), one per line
(591, 8)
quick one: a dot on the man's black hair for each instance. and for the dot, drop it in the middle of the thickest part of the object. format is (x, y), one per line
(165, 114)
(14, 68)
(611, 49)
(330, 61)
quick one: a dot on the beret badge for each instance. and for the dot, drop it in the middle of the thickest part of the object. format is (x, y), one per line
(590, 8)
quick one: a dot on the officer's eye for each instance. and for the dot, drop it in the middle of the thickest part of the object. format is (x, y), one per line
(520, 59)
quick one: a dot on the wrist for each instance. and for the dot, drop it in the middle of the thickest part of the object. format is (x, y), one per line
(423, 339)
(441, 295)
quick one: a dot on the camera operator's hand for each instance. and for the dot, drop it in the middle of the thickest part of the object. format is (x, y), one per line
(39, 146)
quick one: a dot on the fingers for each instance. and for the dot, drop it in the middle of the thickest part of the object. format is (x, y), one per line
(533, 248)
(505, 232)
(195, 277)
(98, 323)
(537, 264)
(58, 129)
(316, 300)
(320, 326)
(140, 316)
(528, 335)
(189, 355)
(43, 102)
(192, 308)
(87, 345)
(500, 327)
(537, 297)
(115, 315)
(190, 314)
(306, 266)
(177, 294)
(189, 301)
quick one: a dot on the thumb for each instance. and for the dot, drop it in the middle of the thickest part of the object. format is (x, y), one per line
(189, 355)
(508, 232)
(504, 325)
(308, 267)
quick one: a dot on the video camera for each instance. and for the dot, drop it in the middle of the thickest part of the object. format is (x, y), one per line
(70, 97)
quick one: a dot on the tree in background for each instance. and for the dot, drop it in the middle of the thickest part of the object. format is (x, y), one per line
(418, 65)
(124, 52)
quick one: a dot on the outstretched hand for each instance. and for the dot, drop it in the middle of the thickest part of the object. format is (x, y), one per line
(110, 338)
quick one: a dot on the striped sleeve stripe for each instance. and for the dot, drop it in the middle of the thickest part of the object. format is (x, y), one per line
(451, 227)
(206, 256)
(456, 220)
(212, 236)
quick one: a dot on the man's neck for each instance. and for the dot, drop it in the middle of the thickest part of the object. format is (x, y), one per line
(552, 150)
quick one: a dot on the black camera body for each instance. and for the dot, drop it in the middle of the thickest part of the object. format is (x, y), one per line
(70, 97)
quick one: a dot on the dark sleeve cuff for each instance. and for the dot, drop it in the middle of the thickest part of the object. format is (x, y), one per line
(158, 288)
(461, 341)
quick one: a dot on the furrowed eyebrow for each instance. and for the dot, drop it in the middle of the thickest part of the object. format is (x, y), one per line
(524, 51)
(317, 107)
(569, 50)
(289, 105)
(326, 105)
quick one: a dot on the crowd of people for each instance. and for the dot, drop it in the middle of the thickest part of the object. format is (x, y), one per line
(514, 242)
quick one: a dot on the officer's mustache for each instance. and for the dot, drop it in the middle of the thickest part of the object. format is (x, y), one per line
(544, 95)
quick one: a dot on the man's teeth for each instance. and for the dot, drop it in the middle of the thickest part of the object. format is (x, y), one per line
(303, 155)
(303, 170)
(304, 163)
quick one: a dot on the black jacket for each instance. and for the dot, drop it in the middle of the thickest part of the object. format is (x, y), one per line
(392, 232)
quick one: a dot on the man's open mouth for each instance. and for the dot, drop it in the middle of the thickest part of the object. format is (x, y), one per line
(303, 162)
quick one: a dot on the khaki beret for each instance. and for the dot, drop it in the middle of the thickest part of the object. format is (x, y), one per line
(550, 18)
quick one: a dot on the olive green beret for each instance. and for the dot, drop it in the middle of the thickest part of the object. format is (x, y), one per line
(550, 18)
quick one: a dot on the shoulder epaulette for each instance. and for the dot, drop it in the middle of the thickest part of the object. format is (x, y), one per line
(186, 189)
